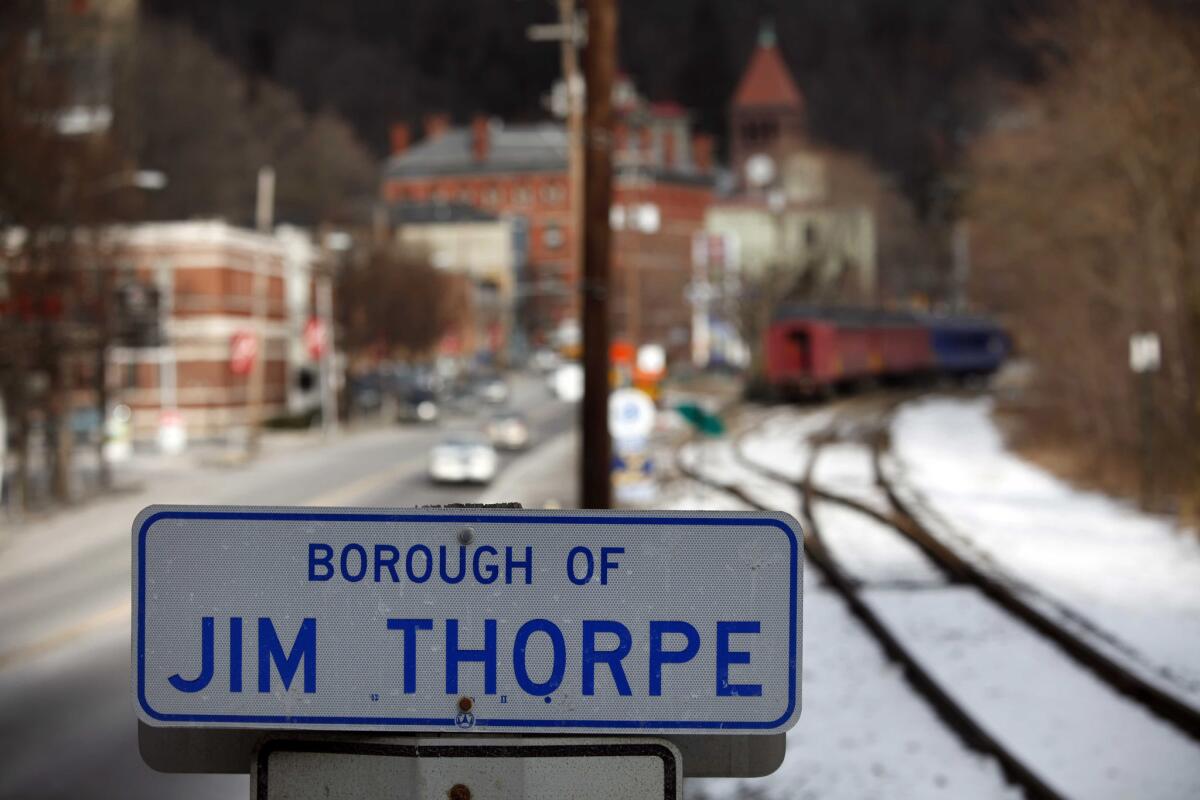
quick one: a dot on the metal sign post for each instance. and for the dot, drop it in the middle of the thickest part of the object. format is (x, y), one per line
(1145, 357)
(253, 622)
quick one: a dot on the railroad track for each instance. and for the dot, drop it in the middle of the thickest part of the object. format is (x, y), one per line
(899, 517)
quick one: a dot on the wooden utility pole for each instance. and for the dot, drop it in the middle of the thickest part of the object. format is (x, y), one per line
(599, 69)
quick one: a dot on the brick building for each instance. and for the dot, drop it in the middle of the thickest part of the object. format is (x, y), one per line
(662, 185)
(208, 282)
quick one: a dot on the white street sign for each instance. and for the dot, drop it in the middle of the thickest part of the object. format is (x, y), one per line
(1145, 352)
(434, 769)
(487, 620)
(630, 414)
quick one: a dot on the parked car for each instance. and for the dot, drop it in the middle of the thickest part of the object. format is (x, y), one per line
(418, 405)
(461, 398)
(365, 393)
(566, 382)
(509, 431)
(492, 389)
(544, 360)
(463, 458)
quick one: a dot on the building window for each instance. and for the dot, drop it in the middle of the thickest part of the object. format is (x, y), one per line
(490, 196)
(810, 234)
(552, 237)
(760, 130)
(552, 194)
(463, 196)
(522, 195)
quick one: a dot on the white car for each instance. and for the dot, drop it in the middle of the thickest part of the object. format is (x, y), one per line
(509, 431)
(544, 361)
(494, 390)
(567, 382)
(463, 458)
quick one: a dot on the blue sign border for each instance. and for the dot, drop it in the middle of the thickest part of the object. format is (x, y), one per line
(449, 722)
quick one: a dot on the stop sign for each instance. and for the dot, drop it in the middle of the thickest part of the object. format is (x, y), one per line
(243, 349)
(316, 338)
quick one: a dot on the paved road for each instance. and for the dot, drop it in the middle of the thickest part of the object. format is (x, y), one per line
(66, 718)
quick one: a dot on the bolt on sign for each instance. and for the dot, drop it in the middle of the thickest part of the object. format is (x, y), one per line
(467, 620)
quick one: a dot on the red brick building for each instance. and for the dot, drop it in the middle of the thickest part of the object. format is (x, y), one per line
(211, 282)
(662, 185)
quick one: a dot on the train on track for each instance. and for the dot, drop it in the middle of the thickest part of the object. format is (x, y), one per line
(812, 352)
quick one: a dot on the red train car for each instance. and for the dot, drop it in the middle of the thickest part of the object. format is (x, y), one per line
(904, 346)
(814, 351)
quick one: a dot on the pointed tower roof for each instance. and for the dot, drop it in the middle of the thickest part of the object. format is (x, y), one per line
(766, 81)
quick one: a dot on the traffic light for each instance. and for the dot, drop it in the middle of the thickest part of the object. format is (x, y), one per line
(137, 321)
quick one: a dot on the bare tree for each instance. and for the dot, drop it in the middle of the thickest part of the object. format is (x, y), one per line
(394, 306)
(49, 192)
(1086, 199)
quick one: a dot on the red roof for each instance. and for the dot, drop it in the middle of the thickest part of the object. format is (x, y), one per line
(767, 82)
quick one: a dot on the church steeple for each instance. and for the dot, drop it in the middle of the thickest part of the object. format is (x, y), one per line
(767, 81)
(767, 114)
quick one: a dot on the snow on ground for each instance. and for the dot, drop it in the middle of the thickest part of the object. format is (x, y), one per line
(716, 460)
(871, 552)
(782, 444)
(1075, 732)
(1132, 574)
(1054, 715)
(845, 468)
(781, 441)
(863, 732)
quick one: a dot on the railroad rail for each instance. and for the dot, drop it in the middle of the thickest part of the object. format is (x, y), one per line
(950, 562)
(901, 518)
(943, 703)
